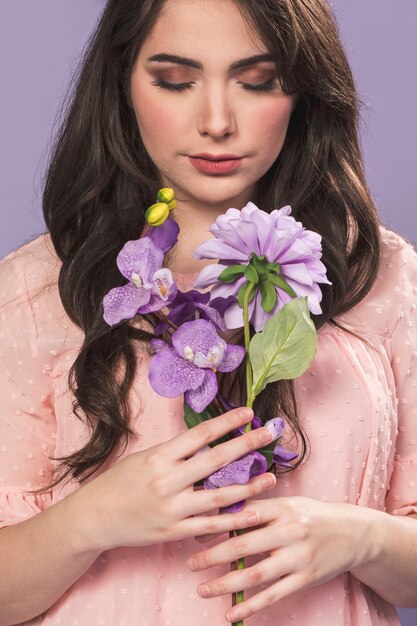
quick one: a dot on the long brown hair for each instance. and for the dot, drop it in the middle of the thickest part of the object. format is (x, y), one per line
(101, 179)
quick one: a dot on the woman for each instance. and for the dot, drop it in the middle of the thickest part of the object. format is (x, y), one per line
(109, 538)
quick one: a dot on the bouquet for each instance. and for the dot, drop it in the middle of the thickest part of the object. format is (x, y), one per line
(266, 281)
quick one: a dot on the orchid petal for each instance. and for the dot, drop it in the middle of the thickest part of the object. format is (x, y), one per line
(199, 335)
(232, 358)
(199, 398)
(140, 256)
(123, 303)
(164, 236)
(170, 375)
(276, 426)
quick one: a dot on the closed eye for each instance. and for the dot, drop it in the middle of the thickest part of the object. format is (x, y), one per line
(270, 85)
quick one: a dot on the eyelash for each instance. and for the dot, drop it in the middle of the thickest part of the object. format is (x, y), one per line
(268, 86)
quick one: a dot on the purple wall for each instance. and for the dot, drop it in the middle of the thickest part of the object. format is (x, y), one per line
(40, 43)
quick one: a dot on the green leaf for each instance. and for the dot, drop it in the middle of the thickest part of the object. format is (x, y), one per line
(192, 418)
(280, 282)
(231, 273)
(251, 274)
(286, 346)
(269, 296)
(268, 452)
(273, 267)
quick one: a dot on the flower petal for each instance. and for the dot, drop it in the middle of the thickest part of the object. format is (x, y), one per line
(140, 256)
(276, 426)
(200, 335)
(232, 358)
(123, 303)
(208, 275)
(233, 317)
(212, 315)
(217, 249)
(164, 236)
(200, 398)
(248, 233)
(170, 376)
(238, 472)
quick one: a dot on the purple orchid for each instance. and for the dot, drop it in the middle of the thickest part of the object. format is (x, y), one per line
(191, 305)
(237, 472)
(165, 235)
(268, 239)
(189, 366)
(243, 469)
(151, 287)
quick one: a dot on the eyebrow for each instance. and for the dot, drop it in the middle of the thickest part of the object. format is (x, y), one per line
(173, 58)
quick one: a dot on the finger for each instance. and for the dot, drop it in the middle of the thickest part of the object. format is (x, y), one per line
(191, 441)
(217, 524)
(279, 590)
(202, 465)
(254, 542)
(209, 499)
(206, 538)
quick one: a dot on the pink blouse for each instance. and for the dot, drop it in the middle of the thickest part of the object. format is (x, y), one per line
(358, 406)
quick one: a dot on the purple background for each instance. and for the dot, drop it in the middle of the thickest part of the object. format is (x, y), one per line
(40, 44)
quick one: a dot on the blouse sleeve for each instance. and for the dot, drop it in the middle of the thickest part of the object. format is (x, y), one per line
(27, 423)
(402, 495)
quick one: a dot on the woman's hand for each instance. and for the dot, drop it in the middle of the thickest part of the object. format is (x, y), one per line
(149, 496)
(309, 542)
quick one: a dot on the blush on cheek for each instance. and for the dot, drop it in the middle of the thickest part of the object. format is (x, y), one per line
(273, 119)
(153, 115)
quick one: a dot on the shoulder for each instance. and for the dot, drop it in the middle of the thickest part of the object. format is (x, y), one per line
(380, 309)
(27, 271)
(29, 297)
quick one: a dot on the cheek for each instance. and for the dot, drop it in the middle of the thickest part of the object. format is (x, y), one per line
(271, 122)
(155, 117)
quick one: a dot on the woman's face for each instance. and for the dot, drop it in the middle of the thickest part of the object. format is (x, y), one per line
(220, 109)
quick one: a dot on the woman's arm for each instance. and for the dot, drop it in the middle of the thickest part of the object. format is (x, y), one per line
(391, 571)
(146, 498)
(40, 559)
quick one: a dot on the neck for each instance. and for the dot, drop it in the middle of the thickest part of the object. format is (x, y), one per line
(194, 222)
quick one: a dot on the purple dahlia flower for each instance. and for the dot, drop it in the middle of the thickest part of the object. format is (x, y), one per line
(150, 288)
(189, 366)
(274, 238)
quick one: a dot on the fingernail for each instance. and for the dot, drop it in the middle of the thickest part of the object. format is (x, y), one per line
(265, 435)
(192, 564)
(269, 480)
(204, 591)
(235, 615)
(253, 518)
(246, 413)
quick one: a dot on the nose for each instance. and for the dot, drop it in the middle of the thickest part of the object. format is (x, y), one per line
(216, 116)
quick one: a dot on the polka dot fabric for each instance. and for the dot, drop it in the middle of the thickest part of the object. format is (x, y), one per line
(357, 403)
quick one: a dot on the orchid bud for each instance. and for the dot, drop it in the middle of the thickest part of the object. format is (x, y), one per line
(157, 213)
(167, 195)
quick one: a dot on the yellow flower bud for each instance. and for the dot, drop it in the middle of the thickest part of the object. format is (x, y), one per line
(172, 205)
(165, 195)
(157, 213)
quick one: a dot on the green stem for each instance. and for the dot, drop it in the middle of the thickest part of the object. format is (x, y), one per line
(250, 400)
(249, 375)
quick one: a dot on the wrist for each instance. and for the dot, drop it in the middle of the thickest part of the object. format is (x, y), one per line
(82, 523)
(370, 530)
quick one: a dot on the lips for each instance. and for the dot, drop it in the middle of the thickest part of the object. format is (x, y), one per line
(216, 166)
(216, 157)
